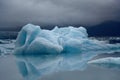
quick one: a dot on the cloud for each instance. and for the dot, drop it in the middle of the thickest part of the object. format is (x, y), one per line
(58, 12)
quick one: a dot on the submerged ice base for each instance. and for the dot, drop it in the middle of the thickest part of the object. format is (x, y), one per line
(40, 52)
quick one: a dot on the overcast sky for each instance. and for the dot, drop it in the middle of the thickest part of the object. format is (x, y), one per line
(16, 13)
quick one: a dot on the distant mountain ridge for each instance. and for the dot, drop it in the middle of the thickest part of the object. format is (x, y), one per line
(110, 28)
(106, 29)
(8, 34)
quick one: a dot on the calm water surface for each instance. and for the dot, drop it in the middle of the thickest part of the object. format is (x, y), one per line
(9, 71)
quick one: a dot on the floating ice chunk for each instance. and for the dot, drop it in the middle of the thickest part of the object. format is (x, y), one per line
(109, 62)
(41, 51)
(6, 47)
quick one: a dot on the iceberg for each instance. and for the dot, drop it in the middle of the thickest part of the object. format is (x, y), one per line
(40, 52)
(109, 62)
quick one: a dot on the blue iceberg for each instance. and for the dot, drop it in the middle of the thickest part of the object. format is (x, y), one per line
(109, 62)
(40, 52)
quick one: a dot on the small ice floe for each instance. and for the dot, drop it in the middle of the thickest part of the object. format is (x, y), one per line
(109, 62)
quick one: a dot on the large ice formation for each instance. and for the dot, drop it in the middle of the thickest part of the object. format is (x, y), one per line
(109, 62)
(41, 51)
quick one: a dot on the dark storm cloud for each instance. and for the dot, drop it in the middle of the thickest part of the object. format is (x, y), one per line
(57, 12)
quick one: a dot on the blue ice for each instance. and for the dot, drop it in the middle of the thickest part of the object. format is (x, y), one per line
(109, 62)
(41, 52)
